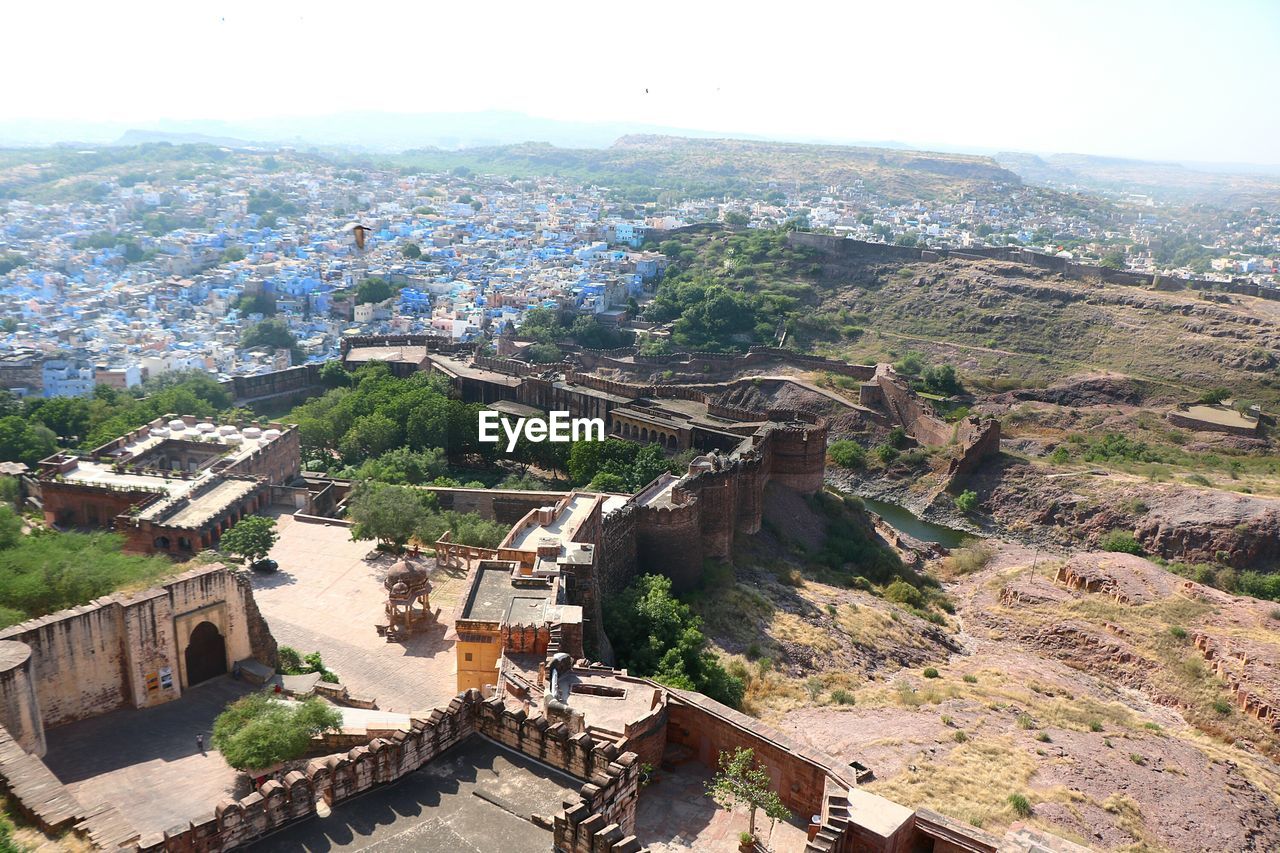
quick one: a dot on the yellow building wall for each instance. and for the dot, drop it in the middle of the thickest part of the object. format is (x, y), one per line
(477, 663)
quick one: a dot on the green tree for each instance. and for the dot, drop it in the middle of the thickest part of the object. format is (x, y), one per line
(23, 442)
(403, 466)
(739, 781)
(389, 514)
(847, 454)
(1214, 396)
(334, 375)
(48, 571)
(260, 731)
(271, 333)
(606, 482)
(374, 289)
(412, 251)
(232, 254)
(543, 353)
(1113, 260)
(251, 537)
(656, 634)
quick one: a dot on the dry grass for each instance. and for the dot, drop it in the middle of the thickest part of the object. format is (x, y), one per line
(971, 557)
(972, 783)
(787, 627)
(1129, 819)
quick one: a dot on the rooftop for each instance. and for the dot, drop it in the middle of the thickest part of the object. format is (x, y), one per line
(562, 527)
(476, 796)
(496, 597)
(201, 504)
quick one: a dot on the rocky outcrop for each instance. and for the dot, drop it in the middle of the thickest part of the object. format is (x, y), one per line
(1173, 521)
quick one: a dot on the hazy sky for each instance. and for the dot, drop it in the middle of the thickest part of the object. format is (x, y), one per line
(1170, 79)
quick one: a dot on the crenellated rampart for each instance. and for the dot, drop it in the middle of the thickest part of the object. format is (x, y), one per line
(604, 809)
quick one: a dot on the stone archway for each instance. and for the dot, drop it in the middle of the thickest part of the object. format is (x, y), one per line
(206, 655)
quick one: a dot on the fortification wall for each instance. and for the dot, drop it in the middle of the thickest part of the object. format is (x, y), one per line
(972, 438)
(301, 380)
(700, 364)
(114, 652)
(709, 728)
(669, 540)
(604, 808)
(19, 707)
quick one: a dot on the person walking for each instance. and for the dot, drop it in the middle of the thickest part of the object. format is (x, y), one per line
(200, 742)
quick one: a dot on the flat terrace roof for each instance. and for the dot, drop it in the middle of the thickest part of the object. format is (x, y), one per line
(658, 493)
(562, 527)
(407, 354)
(465, 370)
(494, 598)
(200, 508)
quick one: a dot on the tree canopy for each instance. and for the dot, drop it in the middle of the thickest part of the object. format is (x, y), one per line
(272, 333)
(655, 634)
(251, 537)
(260, 731)
(46, 571)
(739, 781)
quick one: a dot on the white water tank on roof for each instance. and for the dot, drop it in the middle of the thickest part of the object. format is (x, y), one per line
(160, 432)
(226, 429)
(206, 427)
(271, 435)
(233, 438)
(176, 424)
(252, 432)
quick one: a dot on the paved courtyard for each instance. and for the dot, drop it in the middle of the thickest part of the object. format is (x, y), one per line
(675, 814)
(145, 762)
(476, 797)
(328, 596)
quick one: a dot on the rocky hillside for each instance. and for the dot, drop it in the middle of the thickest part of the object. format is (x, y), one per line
(1124, 708)
(1021, 327)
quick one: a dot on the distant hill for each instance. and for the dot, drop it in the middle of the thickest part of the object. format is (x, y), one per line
(712, 166)
(1222, 185)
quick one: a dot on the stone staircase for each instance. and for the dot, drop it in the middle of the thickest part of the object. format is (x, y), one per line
(833, 827)
(35, 790)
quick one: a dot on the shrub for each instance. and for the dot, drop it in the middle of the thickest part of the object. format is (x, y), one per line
(966, 500)
(886, 453)
(847, 454)
(1095, 726)
(971, 679)
(1060, 455)
(973, 555)
(1020, 805)
(1222, 706)
(1198, 480)
(1137, 759)
(259, 731)
(901, 592)
(842, 697)
(1043, 737)
(1025, 721)
(930, 672)
(960, 737)
(1121, 541)
(1177, 632)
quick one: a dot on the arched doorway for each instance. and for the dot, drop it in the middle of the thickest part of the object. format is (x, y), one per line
(206, 654)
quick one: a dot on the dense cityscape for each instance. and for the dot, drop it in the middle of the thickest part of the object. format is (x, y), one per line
(132, 276)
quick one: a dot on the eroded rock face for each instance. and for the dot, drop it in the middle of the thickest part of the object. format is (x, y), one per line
(1202, 526)
(1173, 521)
